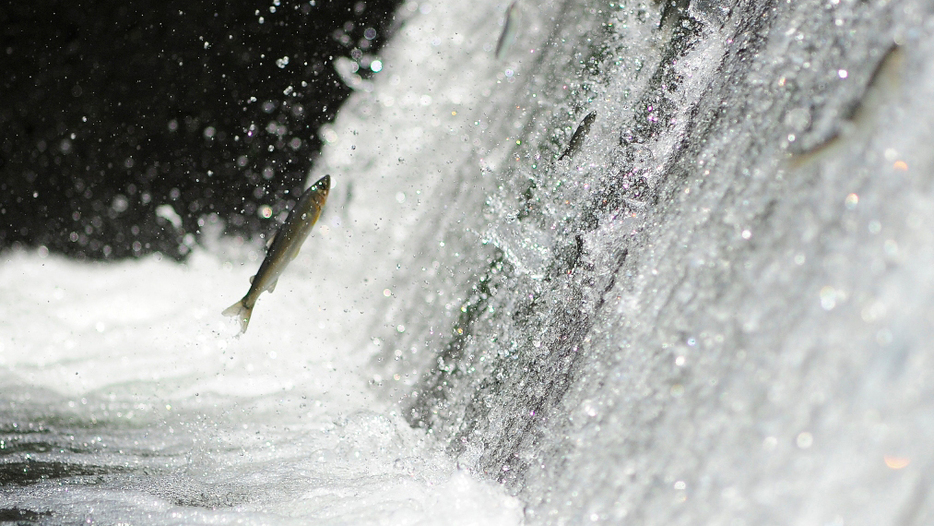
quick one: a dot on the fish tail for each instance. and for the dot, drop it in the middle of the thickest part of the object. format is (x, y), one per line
(240, 311)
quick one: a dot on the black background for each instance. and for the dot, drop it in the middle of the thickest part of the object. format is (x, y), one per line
(109, 110)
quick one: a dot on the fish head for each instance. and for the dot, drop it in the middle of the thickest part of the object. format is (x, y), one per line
(323, 185)
(319, 190)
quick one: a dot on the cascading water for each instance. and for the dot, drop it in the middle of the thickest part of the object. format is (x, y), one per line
(714, 310)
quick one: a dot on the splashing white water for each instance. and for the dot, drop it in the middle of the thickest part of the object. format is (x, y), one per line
(757, 355)
(127, 399)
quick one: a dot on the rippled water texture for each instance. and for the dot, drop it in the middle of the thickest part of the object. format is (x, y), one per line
(715, 309)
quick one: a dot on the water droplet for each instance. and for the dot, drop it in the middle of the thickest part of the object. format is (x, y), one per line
(804, 440)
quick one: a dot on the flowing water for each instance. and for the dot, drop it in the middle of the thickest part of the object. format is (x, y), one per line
(715, 309)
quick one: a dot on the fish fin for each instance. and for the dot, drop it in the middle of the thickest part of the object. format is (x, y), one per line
(241, 312)
(271, 239)
(510, 30)
(299, 249)
(272, 286)
(252, 278)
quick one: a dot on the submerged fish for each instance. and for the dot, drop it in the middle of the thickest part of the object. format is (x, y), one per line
(283, 248)
(579, 135)
(884, 84)
(510, 29)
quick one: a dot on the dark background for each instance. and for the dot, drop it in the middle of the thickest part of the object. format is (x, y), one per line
(109, 110)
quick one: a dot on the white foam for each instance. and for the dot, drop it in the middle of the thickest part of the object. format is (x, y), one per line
(130, 369)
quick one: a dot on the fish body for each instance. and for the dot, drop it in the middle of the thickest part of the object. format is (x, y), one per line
(283, 249)
(884, 84)
(510, 30)
(579, 135)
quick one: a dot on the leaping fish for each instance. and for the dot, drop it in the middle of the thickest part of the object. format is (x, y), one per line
(579, 135)
(510, 29)
(283, 249)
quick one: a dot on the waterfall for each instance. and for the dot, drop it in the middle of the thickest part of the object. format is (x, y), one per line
(648, 263)
(714, 310)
